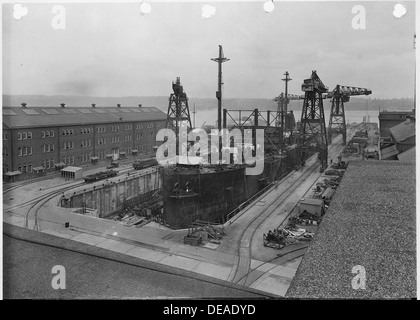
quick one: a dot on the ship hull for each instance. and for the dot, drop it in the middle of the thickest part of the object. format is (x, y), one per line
(211, 193)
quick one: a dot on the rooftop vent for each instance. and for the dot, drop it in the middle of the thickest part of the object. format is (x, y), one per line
(23, 104)
(62, 105)
(93, 105)
(139, 105)
(119, 105)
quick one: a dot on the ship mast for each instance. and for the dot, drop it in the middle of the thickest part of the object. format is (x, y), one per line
(219, 61)
(284, 111)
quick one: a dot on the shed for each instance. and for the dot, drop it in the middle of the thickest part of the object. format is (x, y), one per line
(314, 206)
(12, 175)
(73, 173)
(389, 152)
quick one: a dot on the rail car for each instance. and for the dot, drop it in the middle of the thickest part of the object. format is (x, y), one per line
(146, 163)
(100, 176)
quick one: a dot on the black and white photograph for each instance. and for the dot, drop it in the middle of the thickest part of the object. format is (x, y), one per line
(230, 152)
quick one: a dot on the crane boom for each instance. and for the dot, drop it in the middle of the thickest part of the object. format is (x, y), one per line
(339, 95)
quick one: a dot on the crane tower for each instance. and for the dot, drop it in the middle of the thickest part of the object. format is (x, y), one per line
(312, 131)
(339, 95)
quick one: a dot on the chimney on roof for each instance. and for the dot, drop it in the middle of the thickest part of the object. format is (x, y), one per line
(93, 105)
(139, 105)
(62, 105)
(23, 104)
(119, 105)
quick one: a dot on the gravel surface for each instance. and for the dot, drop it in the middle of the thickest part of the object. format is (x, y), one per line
(96, 273)
(371, 223)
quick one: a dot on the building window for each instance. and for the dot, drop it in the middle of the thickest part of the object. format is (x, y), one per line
(43, 134)
(47, 134)
(24, 136)
(48, 163)
(52, 147)
(52, 133)
(72, 159)
(24, 168)
(19, 152)
(30, 167)
(29, 135)
(19, 168)
(19, 136)
(30, 150)
(4, 135)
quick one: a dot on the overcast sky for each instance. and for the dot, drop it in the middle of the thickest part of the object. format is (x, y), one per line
(112, 50)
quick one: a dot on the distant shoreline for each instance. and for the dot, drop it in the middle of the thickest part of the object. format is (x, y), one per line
(357, 103)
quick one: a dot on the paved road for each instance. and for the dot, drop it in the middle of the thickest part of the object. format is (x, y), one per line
(97, 273)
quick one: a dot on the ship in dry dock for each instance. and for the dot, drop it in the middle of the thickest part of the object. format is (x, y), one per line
(215, 192)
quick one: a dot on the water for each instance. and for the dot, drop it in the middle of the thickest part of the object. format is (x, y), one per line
(210, 116)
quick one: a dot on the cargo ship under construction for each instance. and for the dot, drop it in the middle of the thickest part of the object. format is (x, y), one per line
(215, 192)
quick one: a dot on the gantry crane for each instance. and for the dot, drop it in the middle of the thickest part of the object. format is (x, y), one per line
(340, 95)
(312, 131)
(178, 112)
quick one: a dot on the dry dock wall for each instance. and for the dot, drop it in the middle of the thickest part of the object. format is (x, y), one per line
(113, 195)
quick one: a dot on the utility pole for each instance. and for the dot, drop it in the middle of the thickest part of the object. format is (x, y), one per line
(219, 61)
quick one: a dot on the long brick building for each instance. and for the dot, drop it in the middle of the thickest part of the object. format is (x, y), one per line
(44, 139)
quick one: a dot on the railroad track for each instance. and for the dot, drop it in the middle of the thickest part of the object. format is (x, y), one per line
(244, 243)
(252, 276)
(242, 267)
(37, 203)
(34, 200)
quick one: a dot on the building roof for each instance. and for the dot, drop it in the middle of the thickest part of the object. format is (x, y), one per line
(389, 152)
(72, 169)
(403, 131)
(312, 201)
(19, 117)
(408, 155)
(371, 222)
(393, 115)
